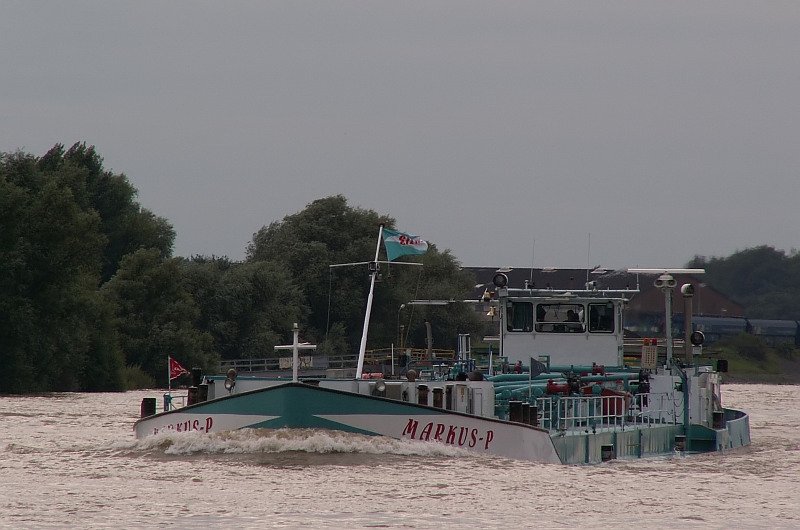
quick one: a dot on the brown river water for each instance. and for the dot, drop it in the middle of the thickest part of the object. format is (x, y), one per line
(71, 461)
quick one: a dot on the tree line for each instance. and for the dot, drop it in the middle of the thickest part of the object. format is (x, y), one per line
(92, 299)
(763, 279)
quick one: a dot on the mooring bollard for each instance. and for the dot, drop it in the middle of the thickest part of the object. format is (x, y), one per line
(148, 407)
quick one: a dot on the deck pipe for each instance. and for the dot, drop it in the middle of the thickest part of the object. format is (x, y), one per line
(588, 369)
(535, 392)
(615, 376)
(559, 371)
(507, 391)
(512, 378)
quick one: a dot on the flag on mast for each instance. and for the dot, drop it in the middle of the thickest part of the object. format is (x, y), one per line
(175, 369)
(400, 244)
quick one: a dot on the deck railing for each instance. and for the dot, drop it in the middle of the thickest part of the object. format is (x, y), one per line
(597, 412)
(272, 364)
(172, 402)
(381, 357)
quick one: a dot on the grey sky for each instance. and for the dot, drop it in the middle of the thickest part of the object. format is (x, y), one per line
(663, 129)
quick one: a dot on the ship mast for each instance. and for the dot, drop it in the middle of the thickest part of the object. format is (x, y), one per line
(374, 269)
(373, 272)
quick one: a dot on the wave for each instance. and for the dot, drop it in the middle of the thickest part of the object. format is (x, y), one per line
(254, 441)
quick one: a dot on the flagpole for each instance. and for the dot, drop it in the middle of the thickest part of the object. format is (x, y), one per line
(363, 348)
(168, 395)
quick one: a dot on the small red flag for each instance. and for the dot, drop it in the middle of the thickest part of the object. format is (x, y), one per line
(175, 369)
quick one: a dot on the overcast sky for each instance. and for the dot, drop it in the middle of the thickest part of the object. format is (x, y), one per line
(560, 133)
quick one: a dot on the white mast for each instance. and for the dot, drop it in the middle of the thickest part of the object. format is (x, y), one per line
(373, 273)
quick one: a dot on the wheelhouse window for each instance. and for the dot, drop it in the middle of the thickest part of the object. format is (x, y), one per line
(560, 318)
(601, 318)
(519, 316)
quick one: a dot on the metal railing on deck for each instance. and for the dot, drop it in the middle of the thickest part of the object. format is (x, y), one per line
(349, 360)
(273, 364)
(565, 413)
(382, 356)
(249, 365)
(172, 402)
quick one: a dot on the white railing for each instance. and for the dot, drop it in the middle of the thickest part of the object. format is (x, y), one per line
(174, 402)
(597, 412)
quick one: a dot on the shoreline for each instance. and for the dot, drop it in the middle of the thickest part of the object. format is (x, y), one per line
(761, 379)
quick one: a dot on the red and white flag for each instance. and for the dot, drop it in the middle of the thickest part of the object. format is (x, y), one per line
(175, 369)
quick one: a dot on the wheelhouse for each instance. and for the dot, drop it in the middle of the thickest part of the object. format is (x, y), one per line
(570, 328)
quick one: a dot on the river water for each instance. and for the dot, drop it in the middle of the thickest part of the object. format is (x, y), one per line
(70, 461)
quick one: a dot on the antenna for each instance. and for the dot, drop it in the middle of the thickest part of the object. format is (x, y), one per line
(588, 257)
(533, 254)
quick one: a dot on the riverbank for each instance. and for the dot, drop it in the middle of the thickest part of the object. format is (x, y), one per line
(770, 368)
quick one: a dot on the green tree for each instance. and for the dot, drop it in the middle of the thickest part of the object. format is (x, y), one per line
(247, 308)
(56, 335)
(156, 315)
(764, 280)
(330, 232)
(126, 225)
(441, 278)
